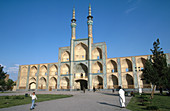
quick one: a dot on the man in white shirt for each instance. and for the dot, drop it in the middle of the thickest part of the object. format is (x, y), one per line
(121, 97)
(33, 100)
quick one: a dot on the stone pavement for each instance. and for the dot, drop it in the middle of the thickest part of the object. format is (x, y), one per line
(89, 101)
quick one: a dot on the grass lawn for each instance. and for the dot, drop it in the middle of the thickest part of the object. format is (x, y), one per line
(140, 103)
(8, 101)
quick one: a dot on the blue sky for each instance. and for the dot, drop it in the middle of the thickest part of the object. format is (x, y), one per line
(31, 31)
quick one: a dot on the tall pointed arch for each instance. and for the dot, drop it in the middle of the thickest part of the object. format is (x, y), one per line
(80, 52)
(53, 70)
(43, 70)
(97, 53)
(65, 69)
(65, 56)
(97, 67)
(111, 66)
(33, 71)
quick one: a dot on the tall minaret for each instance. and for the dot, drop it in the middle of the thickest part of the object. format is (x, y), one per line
(73, 36)
(73, 26)
(90, 23)
(90, 41)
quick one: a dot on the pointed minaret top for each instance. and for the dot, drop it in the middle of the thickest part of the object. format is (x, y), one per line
(73, 13)
(89, 9)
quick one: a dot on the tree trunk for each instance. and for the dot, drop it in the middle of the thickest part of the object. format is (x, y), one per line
(153, 89)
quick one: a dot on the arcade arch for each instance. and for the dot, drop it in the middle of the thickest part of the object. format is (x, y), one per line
(42, 83)
(32, 83)
(43, 70)
(130, 82)
(97, 53)
(65, 69)
(126, 65)
(53, 70)
(81, 71)
(64, 83)
(97, 67)
(65, 56)
(80, 52)
(98, 82)
(113, 82)
(23, 71)
(111, 66)
(33, 71)
(52, 83)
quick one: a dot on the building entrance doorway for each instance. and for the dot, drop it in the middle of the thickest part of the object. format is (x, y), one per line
(82, 84)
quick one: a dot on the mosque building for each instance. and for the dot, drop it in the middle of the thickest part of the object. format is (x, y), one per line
(84, 64)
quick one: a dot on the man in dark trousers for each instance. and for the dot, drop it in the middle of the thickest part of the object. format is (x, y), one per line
(94, 89)
(84, 89)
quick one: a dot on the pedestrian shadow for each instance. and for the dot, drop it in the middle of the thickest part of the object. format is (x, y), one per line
(104, 103)
(110, 94)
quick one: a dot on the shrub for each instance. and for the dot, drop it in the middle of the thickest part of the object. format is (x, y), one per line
(145, 103)
(152, 108)
(18, 97)
(6, 97)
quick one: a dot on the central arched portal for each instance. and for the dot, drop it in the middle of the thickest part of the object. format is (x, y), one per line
(81, 84)
(80, 71)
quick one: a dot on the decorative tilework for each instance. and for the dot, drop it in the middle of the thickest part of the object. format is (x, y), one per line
(18, 77)
(28, 73)
(134, 73)
(48, 71)
(38, 70)
(104, 66)
(119, 72)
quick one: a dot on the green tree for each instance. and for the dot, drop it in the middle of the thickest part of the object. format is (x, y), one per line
(2, 79)
(9, 84)
(155, 69)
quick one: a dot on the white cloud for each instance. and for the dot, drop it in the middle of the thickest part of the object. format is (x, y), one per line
(16, 65)
(133, 4)
(13, 69)
(130, 10)
(3, 66)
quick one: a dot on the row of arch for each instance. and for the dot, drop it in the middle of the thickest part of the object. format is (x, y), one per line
(65, 69)
(97, 82)
(81, 53)
(97, 67)
(126, 65)
(42, 83)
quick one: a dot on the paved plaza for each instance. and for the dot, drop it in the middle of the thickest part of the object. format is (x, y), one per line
(89, 101)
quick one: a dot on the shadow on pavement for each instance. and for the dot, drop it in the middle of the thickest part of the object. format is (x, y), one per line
(110, 94)
(108, 104)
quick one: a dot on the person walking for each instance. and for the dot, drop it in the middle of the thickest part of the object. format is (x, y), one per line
(84, 90)
(33, 96)
(121, 97)
(94, 89)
